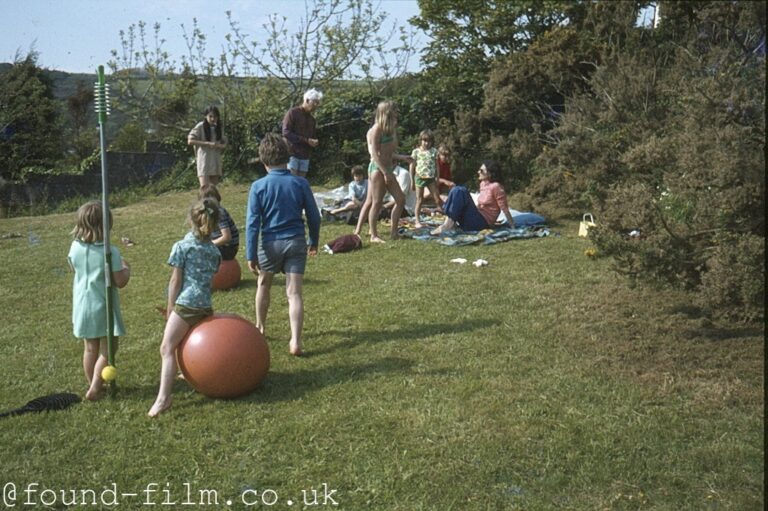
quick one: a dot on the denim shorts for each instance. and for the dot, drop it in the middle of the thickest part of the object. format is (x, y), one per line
(287, 256)
(298, 165)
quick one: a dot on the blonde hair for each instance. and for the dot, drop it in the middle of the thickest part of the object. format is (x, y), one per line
(204, 218)
(89, 223)
(386, 113)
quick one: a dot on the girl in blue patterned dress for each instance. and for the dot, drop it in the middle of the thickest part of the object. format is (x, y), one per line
(89, 297)
(194, 260)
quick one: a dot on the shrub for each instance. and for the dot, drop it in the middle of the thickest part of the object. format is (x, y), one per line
(733, 287)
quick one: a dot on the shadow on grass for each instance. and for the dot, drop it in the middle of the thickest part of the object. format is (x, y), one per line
(724, 334)
(414, 332)
(277, 386)
(290, 386)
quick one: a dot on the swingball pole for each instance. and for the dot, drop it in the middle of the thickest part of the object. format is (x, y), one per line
(101, 96)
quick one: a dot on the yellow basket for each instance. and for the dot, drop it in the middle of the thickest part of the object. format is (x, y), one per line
(587, 221)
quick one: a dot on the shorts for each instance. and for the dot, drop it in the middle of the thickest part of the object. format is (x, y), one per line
(192, 315)
(372, 167)
(287, 256)
(422, 182)
(228, 252)
(298, 164)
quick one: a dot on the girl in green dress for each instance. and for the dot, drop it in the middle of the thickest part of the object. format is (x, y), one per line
(89, 300)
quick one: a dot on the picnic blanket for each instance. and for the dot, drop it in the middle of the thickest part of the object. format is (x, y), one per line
(527, 225)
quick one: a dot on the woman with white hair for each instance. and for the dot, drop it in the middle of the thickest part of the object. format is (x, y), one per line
(299, 130)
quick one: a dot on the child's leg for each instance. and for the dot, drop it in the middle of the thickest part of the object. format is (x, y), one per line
(96, 389)
(363, 215)
(90, 356)
(293, 289)
(175, 330)
(376, 187)
(435, 195)
(394, 189)
(417, 208)
(262, 299)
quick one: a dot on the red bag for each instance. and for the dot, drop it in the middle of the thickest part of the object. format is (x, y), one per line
(345, 243)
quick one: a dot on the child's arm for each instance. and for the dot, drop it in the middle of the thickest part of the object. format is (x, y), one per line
(412, 169)
(121, 277)
(174, 286)
(226, 235)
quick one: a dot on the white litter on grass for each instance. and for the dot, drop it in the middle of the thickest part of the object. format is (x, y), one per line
(480, 262)
(459, 260)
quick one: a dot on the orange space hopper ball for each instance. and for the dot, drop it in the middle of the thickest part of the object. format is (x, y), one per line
(224, 356)
(228, 275)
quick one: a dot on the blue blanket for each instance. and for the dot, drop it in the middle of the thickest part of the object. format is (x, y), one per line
(486, 237)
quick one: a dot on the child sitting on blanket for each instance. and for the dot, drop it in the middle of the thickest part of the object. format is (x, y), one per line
(358, 190)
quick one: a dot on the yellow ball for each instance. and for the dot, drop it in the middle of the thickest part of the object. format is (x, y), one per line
(590, 252)
(109, 373)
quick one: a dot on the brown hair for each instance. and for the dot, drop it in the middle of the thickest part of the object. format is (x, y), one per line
(204, 218)
(209, 191)
(89, 226)
(273, 150)
(427, 135)
(358, 170)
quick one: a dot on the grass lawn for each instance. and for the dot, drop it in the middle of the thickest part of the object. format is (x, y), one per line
(538, 382)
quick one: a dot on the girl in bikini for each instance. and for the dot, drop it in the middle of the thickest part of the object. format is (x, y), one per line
(382, 141)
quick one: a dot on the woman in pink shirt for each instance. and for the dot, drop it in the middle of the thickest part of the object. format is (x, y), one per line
(461, 211)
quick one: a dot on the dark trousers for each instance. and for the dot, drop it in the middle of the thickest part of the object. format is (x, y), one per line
(460, 208)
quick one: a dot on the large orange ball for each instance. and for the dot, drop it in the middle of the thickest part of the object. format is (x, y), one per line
(228, 275)
(224, 356)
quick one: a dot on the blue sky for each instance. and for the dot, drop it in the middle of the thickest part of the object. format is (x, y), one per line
(78, 35)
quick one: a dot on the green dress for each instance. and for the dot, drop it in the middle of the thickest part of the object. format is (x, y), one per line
(89, 304)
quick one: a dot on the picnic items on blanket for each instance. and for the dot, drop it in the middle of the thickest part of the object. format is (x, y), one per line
(585, 224)
(345, 243)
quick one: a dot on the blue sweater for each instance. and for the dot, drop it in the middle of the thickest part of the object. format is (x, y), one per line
(275, 206)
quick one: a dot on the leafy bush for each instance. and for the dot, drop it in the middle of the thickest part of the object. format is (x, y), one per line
(733, 286)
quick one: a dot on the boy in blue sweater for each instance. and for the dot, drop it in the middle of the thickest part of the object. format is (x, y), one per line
(274, 212)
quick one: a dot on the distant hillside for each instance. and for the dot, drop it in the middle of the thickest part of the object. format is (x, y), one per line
(65, 85)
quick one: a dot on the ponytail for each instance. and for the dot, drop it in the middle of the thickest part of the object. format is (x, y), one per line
(204, 218)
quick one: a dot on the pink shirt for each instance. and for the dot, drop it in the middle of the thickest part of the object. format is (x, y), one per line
(491, 201)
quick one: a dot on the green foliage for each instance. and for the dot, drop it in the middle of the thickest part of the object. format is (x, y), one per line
(131, 137)
(30, 133)
(336, 46)
(733, 286)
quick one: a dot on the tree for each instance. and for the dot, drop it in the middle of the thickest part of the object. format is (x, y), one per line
(469, 36)
(82, 142)
(30, 133)
(335, 47)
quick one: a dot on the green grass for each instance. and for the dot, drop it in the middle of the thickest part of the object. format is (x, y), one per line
(538, 382)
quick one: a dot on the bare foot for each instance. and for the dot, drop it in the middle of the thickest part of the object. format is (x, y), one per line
(376, 239)
(394, 236)
(295, 350)
(94, 394)
(436, 232)
(159, 407)
(417, 225)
